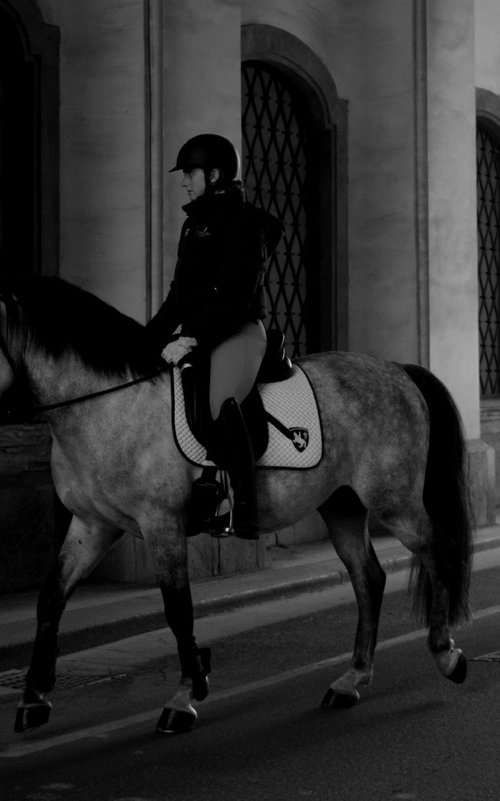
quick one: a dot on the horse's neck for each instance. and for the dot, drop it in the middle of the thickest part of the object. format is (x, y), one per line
(56, 380)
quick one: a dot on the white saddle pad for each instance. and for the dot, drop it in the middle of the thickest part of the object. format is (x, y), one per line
(292, 402)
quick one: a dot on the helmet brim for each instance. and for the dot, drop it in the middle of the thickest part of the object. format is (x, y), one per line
(208, 151)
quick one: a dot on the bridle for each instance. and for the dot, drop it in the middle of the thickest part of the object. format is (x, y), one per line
(80, 398)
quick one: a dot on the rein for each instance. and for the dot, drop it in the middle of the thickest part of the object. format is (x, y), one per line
(91, 395)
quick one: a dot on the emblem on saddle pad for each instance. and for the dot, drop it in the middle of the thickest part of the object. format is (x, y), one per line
(300, 438)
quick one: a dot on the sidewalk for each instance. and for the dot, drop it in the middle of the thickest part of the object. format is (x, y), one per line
(99, 614)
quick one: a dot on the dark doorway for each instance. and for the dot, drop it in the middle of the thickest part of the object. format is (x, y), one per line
(18, 160)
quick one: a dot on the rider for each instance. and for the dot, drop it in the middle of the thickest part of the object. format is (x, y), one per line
(216, 301)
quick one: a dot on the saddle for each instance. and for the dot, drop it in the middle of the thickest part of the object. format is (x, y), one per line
(195, 372)
(281, 415)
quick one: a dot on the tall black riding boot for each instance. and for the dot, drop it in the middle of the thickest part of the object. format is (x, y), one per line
(238, 458)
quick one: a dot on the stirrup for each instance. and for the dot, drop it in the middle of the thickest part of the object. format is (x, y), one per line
(221, 525)
(226, 527)
(207, 495)
(208, 491)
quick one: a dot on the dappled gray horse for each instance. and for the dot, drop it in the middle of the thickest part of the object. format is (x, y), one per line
(392, 447)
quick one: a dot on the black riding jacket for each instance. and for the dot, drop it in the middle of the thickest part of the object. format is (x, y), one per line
(219, 276)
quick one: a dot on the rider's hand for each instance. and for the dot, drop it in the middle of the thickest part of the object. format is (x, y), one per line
(189, 342)
(176, 350)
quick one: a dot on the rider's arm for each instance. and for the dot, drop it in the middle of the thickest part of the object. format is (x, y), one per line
(162, 326)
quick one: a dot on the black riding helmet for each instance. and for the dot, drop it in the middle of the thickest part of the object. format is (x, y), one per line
(209, 151)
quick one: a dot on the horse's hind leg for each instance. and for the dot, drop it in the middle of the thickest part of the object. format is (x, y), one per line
(434, 583)
(347, 522)
(83, 547)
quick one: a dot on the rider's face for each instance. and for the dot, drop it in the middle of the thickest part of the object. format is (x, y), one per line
(194, 183)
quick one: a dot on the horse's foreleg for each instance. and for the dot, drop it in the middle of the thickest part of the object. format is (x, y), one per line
(33, 709)
(84, 545)
(179, 715)
(165, 536)
(347, 522)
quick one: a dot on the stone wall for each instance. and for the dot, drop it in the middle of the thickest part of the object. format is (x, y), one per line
(138, 78)
(103, 149)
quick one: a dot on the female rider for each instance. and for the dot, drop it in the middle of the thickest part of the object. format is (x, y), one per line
(216, 301)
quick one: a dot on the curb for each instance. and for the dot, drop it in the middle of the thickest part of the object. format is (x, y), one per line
(276, 584)
(311, 583)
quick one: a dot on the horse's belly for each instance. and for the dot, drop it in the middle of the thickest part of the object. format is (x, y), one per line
(287, 496)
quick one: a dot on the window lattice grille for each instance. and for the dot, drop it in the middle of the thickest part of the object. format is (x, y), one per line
(488, 224)
(274, 172)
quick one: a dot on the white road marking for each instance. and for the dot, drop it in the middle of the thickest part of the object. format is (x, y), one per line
(104, 730)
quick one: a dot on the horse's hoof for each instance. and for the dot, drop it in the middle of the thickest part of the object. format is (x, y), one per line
(459, 673)
(30, 716)
(335, 700)
(176, 721)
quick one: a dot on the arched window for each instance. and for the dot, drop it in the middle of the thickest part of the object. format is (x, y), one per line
(278, 162)
(488, 227)
(295, 164)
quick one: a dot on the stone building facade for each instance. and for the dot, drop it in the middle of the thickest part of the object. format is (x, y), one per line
(374, 108)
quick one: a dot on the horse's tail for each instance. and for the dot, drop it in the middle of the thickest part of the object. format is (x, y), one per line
(446, 499)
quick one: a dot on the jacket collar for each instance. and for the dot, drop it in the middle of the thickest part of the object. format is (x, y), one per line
(216, 206)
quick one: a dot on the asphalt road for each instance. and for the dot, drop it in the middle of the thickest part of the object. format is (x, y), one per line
(261, 734)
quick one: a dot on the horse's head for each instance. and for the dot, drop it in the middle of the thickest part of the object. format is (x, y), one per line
(19, 343)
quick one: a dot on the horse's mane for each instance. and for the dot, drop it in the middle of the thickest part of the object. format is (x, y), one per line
(59, 317)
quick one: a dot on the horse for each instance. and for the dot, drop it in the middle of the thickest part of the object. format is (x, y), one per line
(393, 447)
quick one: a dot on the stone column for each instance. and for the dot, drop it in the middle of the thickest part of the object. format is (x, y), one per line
(201, 93)
(449, 310)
